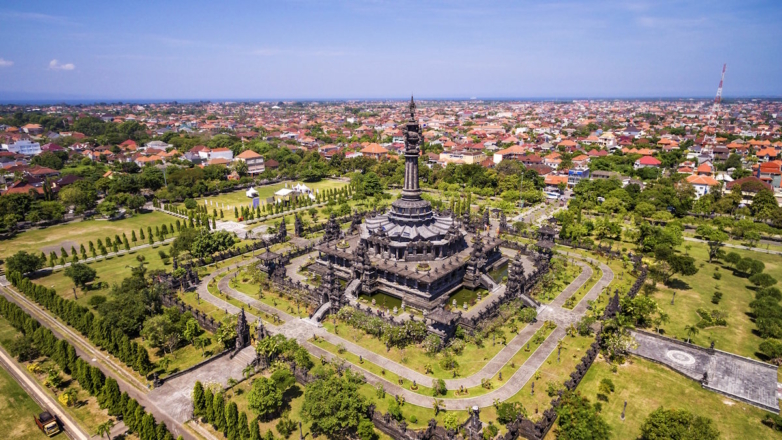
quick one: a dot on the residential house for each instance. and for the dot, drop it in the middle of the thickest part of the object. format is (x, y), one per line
(552, 181)
(462, 157)
(646, 161)
(32, 129)
(604, 175)
(221, 153)
(770, 172)
(750, 186)
(575, 176)
(24, 146)
(514, 152)
(703, 184)
(253, 160)
(374, 151)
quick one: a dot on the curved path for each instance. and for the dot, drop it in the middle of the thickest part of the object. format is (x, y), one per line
(303, 331)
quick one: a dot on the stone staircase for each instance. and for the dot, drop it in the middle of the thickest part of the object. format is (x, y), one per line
(488, 282)
(352, 290)
(245, 356)
(319, 314)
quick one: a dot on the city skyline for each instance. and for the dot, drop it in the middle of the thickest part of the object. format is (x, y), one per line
(378, 50)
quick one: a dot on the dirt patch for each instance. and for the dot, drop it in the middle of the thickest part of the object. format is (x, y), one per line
(67, 244)
(729, 402)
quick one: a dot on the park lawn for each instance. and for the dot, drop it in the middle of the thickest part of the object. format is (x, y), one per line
(562, 278)
(574, 347)
(623, 278)
(239, 198)
(265, 317)
(646, 386)
(767, 246)
(205, 307)
(470, 361)
(86, 411)
(17, 410)
(81, 232)
(111, 270)
(693, 292)
(294, 401)
(574, 299)
(183, 357)
(521, 356)
(271, 298)
(507, 370)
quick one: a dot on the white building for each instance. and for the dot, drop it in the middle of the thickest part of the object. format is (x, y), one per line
(23, 146)
(221, 153)
(160, 145)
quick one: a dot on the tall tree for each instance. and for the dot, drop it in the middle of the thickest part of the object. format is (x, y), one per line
(664, 424)
(199, 404)
(264, 398)
(24, 262)
(81, 274)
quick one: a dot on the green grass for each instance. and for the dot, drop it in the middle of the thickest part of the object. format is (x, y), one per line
(696, 292)
(646, 386)
(574, 347)
(112, 270)
(81, 232)
(294, 400)
(86, 412)
(17, 410)
(470, 361)
(574, 299)
(182, 358)
(239, 198)
(271, 298)
(212, 288)
(563, 276)
(507, 370)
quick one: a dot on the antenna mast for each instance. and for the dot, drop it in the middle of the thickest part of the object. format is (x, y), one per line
(718, 98)
(715, 108)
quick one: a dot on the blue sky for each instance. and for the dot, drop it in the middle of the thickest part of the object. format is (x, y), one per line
(324, 49)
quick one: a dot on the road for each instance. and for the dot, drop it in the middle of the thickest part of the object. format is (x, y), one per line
(97, 358)
(47, 402)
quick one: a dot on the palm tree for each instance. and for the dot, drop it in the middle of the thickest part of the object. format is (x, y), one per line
(248, 371)
(437, 405)
(691, 330)
(164, 362)
(105, 429)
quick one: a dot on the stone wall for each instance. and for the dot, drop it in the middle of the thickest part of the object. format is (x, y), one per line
(206, 322)
(525, 428)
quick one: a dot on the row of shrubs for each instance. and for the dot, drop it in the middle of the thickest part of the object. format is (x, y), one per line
(89, 377)
(100, 332)
(411, 332)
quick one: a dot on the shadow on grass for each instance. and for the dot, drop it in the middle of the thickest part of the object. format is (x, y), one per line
(678, 284)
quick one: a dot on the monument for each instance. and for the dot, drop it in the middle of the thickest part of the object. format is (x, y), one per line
(412, 252)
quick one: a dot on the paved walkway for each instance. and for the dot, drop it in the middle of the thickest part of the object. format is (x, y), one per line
(176, 394)
(303, 331)
(224, 285)
(108, 255)
(741, 378)
(737, 246)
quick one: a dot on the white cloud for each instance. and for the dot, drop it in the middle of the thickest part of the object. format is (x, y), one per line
(35, 17)
(5, 63)
(55, 65)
